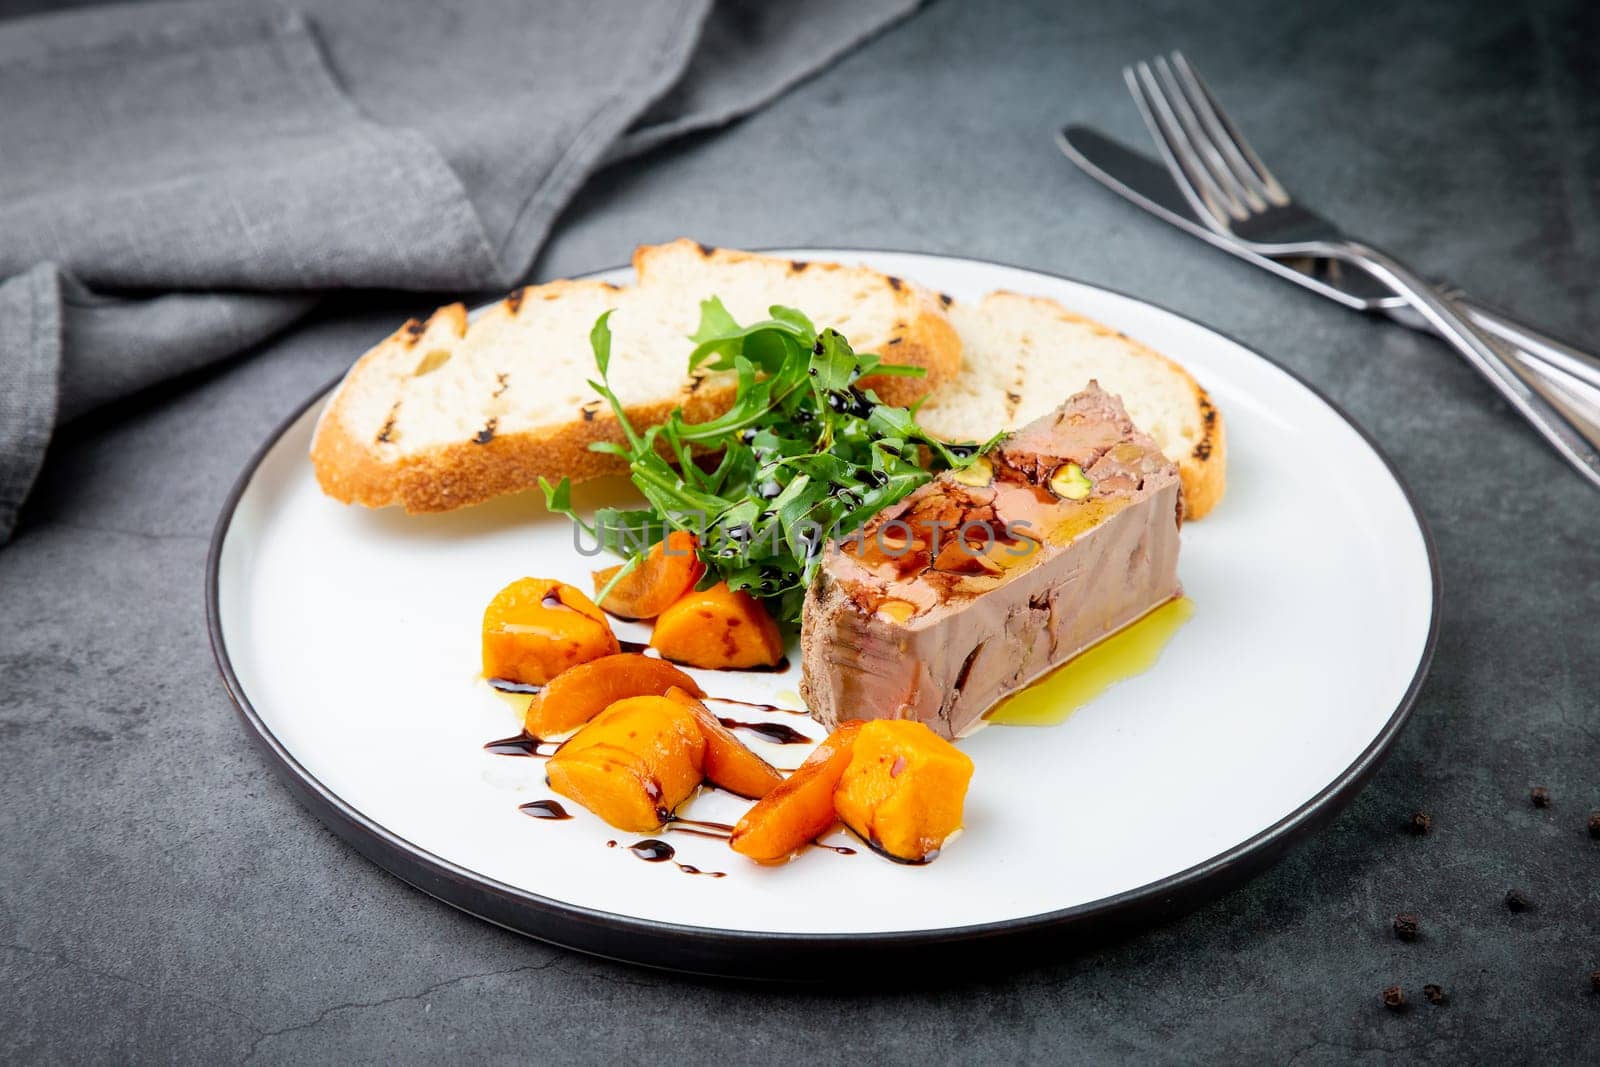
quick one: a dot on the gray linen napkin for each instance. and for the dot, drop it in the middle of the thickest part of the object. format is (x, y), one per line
(178, 179)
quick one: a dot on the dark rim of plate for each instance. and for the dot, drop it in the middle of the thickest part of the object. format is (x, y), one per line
(838, 957)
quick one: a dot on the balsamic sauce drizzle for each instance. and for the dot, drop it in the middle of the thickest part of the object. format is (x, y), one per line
(697, 833)
(523, 744)
(721, 829)
(544, 809)
(653, 850)
(775, 732)
(762, 668)
(753, 705)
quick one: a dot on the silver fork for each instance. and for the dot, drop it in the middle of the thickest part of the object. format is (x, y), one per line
(1236, 196)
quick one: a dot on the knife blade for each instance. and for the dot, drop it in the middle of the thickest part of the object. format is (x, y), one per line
(1145, 181)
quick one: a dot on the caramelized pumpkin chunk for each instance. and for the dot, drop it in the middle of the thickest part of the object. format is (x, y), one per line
(729, 762)
(633, 763)
(535, 628)
(667, 572)
(801, 808)
(579, 693)
(718, 628)
(904, 789)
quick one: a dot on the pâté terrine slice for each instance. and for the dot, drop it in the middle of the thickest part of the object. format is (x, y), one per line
(985, 579)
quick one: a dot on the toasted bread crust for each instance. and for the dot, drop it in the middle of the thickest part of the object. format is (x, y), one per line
(1203, 471)
(459, 474)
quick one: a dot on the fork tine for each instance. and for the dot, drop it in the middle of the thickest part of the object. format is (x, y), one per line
(1243, 190)
(1175, 149)
(1246, 164)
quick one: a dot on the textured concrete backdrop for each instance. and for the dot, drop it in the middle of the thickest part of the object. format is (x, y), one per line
(162, 897)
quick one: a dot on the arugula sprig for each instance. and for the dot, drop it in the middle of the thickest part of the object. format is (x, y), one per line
(805, 454)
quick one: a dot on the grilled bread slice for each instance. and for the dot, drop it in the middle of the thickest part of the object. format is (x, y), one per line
(1021, 354)
(452, 412)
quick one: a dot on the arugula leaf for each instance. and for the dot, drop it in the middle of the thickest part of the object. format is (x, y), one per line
(600, 341)
(806, 454)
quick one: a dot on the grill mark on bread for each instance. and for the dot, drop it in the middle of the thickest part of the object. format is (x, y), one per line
(797, 265)
(945, 300)
(503, 381)
(696, 380)
(613, 286)
(387, 435)
(485, 435)
(1208, 415)
(896, 284)
(706, 250)
(589, 410)
(411, 331)
(895, 340)
(515, 297)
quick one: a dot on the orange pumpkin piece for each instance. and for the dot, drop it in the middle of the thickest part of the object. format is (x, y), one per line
(729, 763)
(579, 693)
(718, 628)
(633, 763)
(801, 809)
(668, 571)
(535, 628)
(904, 789)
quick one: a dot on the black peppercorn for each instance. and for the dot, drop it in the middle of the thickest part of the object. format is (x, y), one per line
(1434, 994)
(1407, 926)
(1517, 901)
(1420, 823)
(1394, 998)
(1540, 797)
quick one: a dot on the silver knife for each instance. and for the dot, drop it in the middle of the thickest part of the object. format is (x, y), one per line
(1146, 182)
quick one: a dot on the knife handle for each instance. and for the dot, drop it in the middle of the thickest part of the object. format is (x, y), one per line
(1541, 346)
(1548, 408)
(1570, 369)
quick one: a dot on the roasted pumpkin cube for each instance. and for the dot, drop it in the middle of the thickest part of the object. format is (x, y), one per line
(729, 762)
(535, 628)
(633, 763)
(801, 809)
(718, 629)
(579, 693)
(904, 789)
(667, 572)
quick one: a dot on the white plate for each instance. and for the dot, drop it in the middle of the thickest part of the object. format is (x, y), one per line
(349, 639)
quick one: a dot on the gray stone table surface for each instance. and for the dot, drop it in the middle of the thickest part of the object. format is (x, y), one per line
(162, 897)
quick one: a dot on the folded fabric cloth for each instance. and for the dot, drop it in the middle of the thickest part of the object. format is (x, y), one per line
(179, 179)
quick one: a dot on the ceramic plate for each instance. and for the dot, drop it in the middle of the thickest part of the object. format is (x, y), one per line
(349, 640)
